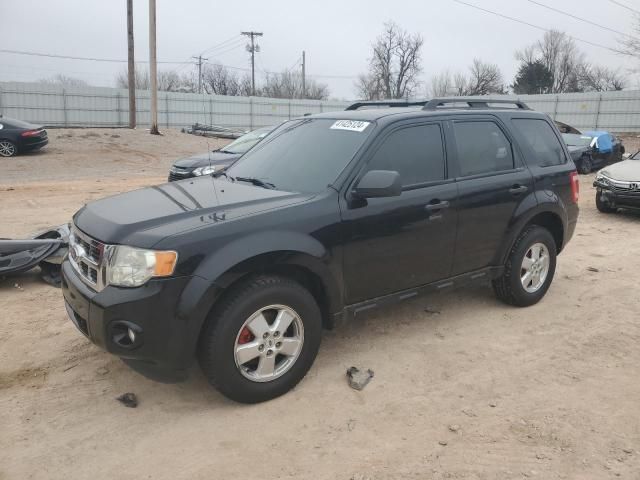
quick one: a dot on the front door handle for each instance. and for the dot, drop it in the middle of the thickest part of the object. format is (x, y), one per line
(436, 205)
(518, 189)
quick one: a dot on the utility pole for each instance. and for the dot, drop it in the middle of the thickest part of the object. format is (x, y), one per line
(199, 63)
(304, 83)
(253, 48)
(153, 68)
(131, 66)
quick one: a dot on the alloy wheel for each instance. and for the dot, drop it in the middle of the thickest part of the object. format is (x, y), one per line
(534, 268)
(7, 149)
(269, 343)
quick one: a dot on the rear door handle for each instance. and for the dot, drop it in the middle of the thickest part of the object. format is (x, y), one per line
(518, 189)
(436, 205)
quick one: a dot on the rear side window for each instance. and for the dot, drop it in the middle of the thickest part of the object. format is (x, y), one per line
(482, 148)
(539, 136)
(416, 153)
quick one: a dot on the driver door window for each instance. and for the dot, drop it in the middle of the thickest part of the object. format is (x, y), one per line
(416, 153)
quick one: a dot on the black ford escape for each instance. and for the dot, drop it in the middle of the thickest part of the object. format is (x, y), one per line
(329, 216)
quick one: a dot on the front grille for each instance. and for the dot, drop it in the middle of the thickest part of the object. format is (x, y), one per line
(87, 258)
(179, 173)
(622, 186)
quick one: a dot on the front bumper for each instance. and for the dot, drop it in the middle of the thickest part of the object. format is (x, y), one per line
(163, 340)
(617, 197)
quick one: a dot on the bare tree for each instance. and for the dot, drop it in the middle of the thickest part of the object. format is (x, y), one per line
(142, 79)
(219, 80)
(289, 85)
(441, 85)
(484, 78)
(600, 79)
(64, 81)
(394, 65)
(568, 67)
(630, 45)
(168, 81)
(369, 87)
(560, 56)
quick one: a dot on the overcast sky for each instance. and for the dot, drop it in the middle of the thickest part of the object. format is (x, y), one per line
(336, 35)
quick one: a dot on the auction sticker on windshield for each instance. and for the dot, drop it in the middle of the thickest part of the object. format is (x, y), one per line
(351, 125)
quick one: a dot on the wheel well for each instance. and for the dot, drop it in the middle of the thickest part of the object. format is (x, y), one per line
(551, 222)
(303, 276)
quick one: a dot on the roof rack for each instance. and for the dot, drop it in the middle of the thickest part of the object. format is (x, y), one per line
(434, 103)
(387, 103)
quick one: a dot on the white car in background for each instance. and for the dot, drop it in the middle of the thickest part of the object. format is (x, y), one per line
(618, 185)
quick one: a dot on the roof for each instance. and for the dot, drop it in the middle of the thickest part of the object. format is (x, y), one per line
(374, 114)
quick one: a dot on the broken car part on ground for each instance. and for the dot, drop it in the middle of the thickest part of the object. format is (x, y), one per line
(46, 249)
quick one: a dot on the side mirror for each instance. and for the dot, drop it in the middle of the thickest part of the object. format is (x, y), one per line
(378, 184)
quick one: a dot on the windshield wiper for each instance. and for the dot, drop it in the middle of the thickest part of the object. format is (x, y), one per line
(256, 181)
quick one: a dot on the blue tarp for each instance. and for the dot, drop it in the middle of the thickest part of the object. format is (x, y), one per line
(604, 140)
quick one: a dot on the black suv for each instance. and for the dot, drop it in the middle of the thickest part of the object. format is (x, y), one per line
(331, 215)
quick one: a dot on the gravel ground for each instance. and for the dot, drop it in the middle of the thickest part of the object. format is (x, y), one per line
(464, 386)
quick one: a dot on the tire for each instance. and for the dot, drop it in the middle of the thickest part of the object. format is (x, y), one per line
(602, 206)
(509, 287)
(8, 148)
(227, 328)
(586, 166)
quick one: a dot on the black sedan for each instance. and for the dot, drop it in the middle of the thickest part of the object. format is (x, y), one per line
(207, 163)
(17, 136)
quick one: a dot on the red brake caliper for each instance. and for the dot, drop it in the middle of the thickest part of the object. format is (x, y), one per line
(245, 336)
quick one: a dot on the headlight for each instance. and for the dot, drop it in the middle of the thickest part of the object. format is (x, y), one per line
(602, 174)
(133, 267)
(208, 170)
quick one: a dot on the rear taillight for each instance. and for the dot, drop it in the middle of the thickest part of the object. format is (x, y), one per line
(575, 186)
(30, 133)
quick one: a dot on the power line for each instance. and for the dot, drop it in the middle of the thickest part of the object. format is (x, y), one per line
(229, 48)
(579, 18)
(625, 6)
(71, 57)
(182, 63)
(517, 20)
(222, 44)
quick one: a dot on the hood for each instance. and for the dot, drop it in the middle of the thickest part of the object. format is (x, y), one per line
(204, 159)
(144, 217)
(627, 170)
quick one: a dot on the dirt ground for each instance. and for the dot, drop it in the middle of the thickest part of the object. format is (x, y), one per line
(464, 386)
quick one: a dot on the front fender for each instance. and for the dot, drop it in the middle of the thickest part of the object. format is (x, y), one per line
(252, 253)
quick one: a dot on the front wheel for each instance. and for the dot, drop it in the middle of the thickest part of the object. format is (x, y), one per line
(586, 166)
(7, 148)
(261, 339)
(529, 269)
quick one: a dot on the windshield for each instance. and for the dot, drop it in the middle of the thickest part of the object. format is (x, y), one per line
(576, 140)
(245, 142)
(303, 155)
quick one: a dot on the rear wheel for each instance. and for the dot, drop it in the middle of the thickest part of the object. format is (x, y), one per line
(7, 148)
(261, 339)
(603, 206)
(529, 269)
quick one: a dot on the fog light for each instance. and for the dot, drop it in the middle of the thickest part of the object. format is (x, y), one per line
(132, 335)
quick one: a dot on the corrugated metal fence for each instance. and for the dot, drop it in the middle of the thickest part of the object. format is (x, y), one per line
(55, 106)
(108, 107)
